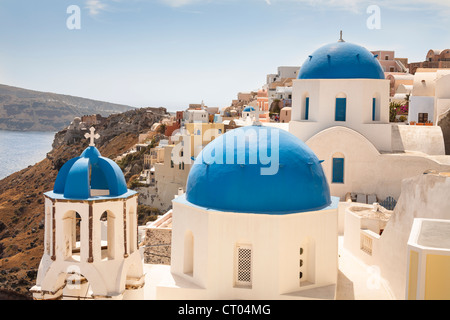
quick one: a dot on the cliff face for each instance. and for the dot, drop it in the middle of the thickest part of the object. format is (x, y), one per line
(22, 202)
(27, 110)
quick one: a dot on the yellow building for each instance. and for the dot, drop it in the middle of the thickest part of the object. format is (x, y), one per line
(428, 276)
(201, 134)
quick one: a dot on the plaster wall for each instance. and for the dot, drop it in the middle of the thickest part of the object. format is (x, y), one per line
(421, 104)
(275, 243)
(322, 106)
(366, 170)
(423, 196)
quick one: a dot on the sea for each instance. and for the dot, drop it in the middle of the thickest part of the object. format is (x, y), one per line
(18, 150)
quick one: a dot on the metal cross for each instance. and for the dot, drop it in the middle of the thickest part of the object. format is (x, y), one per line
(92, 136)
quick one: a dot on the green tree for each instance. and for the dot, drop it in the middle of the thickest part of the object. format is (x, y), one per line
(394, 107)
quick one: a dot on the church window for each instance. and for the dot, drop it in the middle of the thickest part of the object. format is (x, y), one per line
(72, 228)
(48, 228)
(244, 266)
(107, 241)
(132, 221)
(376, 107)
(189, 253)
(307, 108)
(341, 108)
(338, 170)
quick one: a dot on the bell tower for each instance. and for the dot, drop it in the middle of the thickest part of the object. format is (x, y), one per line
(90, 243)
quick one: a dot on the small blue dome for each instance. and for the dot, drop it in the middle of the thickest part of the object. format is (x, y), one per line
(89, 172)
(341, 60)
(228, 174)
(249, 109)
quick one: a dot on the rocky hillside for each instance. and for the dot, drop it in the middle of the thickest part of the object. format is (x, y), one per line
(22, 202)
(27, 110)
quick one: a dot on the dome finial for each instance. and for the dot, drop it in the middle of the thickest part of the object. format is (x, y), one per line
(256, 121)
(92, 136)
(341, 40)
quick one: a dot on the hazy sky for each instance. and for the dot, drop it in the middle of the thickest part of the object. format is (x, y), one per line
(174, 52)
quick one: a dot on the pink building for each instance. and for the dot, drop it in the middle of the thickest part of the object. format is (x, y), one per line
(388, 61)
(263, 100)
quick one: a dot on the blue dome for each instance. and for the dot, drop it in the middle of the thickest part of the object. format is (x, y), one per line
(89, 172)
(341, 60)
(230, 176)
(249, 109)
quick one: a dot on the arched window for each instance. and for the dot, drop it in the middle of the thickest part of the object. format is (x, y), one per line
(376, 107)
(305, 113)
(189, 253)
(72, 235)
(48, 229)
(338, 168)
(108, 236)
(341, 107)
(132, 220)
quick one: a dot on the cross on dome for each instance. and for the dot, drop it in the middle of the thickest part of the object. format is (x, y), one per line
(341, 40)
(256, 115)
(92, 136)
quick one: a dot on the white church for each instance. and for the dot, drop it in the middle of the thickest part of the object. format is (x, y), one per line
(90, 246)
(341, 111)
(266, 213)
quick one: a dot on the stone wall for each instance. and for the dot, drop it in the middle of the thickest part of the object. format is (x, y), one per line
(444, 123)
(158, 244)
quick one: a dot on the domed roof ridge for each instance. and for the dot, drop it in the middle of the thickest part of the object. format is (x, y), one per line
(341, 60)
(228, 175)
(89, 172)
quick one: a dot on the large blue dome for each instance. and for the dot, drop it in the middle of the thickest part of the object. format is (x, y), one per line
(341, 60)
(230, 176)
(89, 172)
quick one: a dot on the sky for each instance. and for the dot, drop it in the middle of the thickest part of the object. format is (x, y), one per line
(171, 53)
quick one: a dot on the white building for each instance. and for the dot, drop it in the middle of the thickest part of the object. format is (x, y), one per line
(196, 116)
(284, 72)
(410, 246)
(430, 96)
(341, 110)
(90, 244)
(238, 234)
